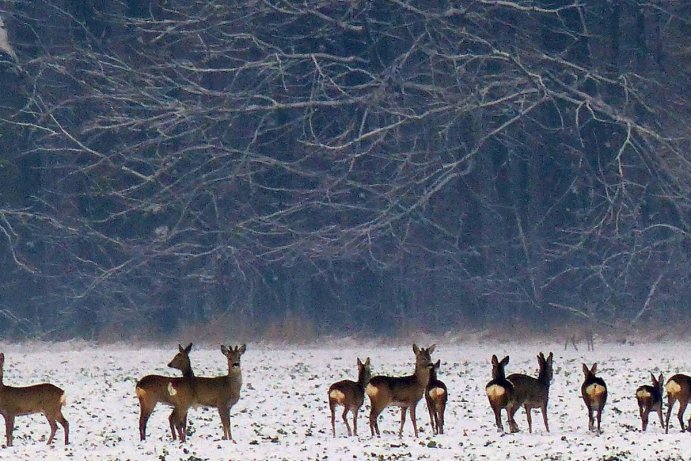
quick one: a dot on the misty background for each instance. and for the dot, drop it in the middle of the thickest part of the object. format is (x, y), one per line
(342, 167)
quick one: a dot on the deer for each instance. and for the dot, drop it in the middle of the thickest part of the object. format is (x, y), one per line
(650, 399)
(594, 393)
(40, 398)
(153, 389)
(350, 395)
(436, 396)
(678, 389)
(532, 392)
(401, 391)
(500, 392)
(220, 392)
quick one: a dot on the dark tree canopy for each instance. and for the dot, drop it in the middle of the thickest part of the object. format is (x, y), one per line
(366, 166)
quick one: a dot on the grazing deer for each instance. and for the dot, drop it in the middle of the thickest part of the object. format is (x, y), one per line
(40, 398)
(220, 392)
(533, 393)
(678, 389)
(594, 392)
(586, 333)
(650, 399)
(436, 397)
(152, 389)
(403, 391)
(351, 395)
(500, 393)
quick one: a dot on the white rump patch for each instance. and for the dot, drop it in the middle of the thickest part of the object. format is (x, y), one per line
(595, 391)
(495, 391)
(171, 389)
(337, 396)
(643, 394)
(673, 388)
(436, 392)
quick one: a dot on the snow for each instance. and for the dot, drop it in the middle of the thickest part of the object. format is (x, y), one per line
(283, 415)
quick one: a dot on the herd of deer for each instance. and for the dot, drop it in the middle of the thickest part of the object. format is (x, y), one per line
(222, 392)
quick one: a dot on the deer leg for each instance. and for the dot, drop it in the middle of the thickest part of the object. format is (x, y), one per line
(529, 417)
(680, 415)
(644, 418)
(144, 414)
(510, 410)
(544, 416)
(432, 417)
(373, 425)
(670, 403)
(65, 427)
(345, 420)
(497, 418)
(659, 413)
(356, 410)
(9, 429)
(413, 418)
(590, 419)
(53, 428)
(224, 413)
(404, 410)
(599, 417)
(171, 421)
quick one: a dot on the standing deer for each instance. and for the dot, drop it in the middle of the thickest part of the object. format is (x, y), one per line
(351, 395)
(594, 392)
(152, 389)
(40, 398)
(533, 393)
(436, 397)
(220, 392)
(500, 393)
(678, 390)
(650, 399)
(403, 391)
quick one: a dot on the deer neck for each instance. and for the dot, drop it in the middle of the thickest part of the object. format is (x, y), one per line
(362, 380)
(422, 374)
(188, 373)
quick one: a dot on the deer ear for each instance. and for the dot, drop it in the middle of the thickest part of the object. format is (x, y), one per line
(586, 371)
(593, 369)
(367, 362)
(495, 360)
(431, 348)
(188, 348)
(437, 364)
(505, 360)
(416, 349)
(359, 362)
(660, 379)
(243, 348)
(224, 349)
(550, 357)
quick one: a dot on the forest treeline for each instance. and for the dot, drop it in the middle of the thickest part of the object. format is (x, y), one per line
(348, 166)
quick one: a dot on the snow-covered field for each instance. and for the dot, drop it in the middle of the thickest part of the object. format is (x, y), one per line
(283, 413)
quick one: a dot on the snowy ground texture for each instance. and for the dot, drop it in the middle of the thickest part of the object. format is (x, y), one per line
(283, 414)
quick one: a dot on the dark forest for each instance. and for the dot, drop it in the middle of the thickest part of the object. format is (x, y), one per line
(342, 167)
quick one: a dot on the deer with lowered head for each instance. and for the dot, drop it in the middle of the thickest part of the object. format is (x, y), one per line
(436, 396)
(532, 392)
(401, 391)
(594, 393)
(153, 389)
(40, 398)
(220, 392)
(650, 399)
(678, 389)
(500, 392)
(350, 395)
